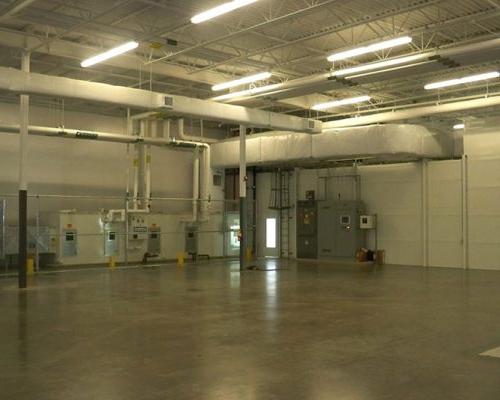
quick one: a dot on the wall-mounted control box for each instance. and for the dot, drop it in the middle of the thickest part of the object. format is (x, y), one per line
(367, 221)
(69, 243)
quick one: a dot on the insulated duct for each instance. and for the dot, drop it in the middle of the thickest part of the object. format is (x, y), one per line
(426, 62)
(413, 113)
(30, 83)
(377, 142)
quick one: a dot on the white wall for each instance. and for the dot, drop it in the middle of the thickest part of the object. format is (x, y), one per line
(445, 223)
(393, 192)
(406, 212)
(482, 146)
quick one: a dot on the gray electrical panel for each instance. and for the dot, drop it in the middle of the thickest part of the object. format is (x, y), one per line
(69, 243)
(192, 240)
(307, 229)
(339, 233)
(154, 240)
(111, 247)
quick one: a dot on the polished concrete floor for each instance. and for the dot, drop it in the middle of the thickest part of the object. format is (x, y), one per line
(307, 331)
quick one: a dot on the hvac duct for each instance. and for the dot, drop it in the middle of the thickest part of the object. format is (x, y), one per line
(22, 82)
(413, 113)
(378, 143)
(426, 62)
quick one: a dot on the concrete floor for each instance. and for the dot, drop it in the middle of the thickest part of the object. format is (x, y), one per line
(311, 331)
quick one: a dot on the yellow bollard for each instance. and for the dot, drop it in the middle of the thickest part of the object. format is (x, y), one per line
(249, 254)
(30, 266)
(111, 263)
(180, 259)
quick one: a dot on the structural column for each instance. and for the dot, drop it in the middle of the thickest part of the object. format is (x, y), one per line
(243, 195)
(23, 183)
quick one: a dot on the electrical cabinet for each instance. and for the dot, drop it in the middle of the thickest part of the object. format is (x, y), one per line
(154, 240)
(69, 243)
(307, 229)
(191, 240)
(339, 233)
(111, 240)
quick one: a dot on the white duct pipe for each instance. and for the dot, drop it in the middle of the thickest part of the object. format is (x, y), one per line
(31, 83)
(124, 139)
(429, 57)
(141, 156)
(166, 129)
(196, 182)
(412, 113)
(205, 194)
(65, 133)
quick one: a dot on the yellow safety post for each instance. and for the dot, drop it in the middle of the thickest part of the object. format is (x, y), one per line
(111, 263)
(30, 266)
(249, 254)
(180, 259)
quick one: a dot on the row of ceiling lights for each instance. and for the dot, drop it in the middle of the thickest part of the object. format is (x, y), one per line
(197, 19)
(388, 44)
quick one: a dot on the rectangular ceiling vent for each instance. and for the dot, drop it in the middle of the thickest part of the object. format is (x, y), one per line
(312, 126)
(168, 102)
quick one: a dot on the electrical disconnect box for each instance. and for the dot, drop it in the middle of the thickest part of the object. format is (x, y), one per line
(154, 240)
(368, 221)
(192, 240)
(69, 243)
(307, 226)
(339, 233)
(111, 241)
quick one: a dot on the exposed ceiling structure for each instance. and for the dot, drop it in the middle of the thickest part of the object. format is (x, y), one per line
(290, 38)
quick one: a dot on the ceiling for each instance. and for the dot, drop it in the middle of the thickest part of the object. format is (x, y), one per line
(291, 38)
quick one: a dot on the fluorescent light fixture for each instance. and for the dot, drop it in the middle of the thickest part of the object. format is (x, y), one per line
(458, 127)
(370, 49)
(338, 103)
(109, 54)
(238, 82)
(220, 10)
(460, 81)
(247, 92)
(379, 65)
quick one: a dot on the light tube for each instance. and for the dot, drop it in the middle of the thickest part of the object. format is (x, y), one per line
(458, 127)
(238, 82)
(460, 81)
(247, 92)
(370, 49)
(116, 51)
(338, 103)
(378, 65)
(220, 10)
